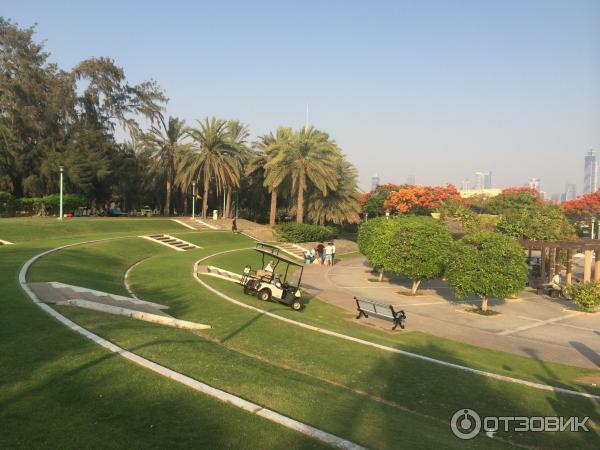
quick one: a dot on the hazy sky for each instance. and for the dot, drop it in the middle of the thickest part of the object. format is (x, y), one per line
(436, 90)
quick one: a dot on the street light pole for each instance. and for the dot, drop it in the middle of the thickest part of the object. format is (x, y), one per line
(193, 199)
(61, 194)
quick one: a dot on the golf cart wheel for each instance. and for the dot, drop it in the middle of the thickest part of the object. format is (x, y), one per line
(247, 290)
(264, 295)
(296, 306)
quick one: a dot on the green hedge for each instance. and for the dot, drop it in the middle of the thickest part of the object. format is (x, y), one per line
(35, 205)
(586, 295)
(304, 232)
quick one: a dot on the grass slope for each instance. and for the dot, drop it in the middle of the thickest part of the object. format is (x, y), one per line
(59, 390)
(347, 389)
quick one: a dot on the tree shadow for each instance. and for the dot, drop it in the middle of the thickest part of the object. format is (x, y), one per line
(586, 351)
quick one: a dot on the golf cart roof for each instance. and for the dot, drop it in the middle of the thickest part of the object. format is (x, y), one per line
(272, 251)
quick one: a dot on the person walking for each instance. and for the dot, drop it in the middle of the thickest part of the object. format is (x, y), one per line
(320, 250)
(328, 253)
(332, 253)
(234, 225)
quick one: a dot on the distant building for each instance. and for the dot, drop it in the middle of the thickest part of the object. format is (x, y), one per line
(466, 185)
(466, 193)
(570, 192)
(590, 175)
(555, 198)
(534, 183)
(374, 182)
(483, 180)
(410, 180)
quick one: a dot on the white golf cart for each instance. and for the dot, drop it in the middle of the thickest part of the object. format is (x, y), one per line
(267, 284)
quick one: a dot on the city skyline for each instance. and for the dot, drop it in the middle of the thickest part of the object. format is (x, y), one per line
(432, 92)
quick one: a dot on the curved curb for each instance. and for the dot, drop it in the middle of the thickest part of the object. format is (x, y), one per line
(226, 397)
(126, 277)
(531, 384)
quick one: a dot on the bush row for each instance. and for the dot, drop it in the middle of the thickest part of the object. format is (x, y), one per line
(304, 232)
(39, 205)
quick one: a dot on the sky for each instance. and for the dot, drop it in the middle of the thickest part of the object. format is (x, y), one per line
(434, 90)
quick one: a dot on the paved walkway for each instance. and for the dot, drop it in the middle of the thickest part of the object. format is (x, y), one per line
(530, 325)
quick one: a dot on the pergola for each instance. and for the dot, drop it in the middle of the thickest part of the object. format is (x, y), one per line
(553, 250)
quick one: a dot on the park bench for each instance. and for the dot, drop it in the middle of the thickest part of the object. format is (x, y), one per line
(548, 289)
(381, 310)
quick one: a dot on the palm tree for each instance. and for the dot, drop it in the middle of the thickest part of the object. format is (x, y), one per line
(310, 156)
(238, 135)
(165, 143)
(339, 205)
(268, 147)
(211, 158)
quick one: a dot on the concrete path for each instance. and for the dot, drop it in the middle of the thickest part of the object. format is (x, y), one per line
(530, 325)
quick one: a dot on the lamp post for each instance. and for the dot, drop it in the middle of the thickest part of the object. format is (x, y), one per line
(592, 229)
(193, 199)
(61, 194)
(387, 214)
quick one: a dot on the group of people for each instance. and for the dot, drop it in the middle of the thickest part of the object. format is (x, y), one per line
(320, 254)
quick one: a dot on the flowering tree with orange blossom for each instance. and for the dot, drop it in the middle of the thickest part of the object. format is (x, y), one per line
(583, 207)
(420, 199)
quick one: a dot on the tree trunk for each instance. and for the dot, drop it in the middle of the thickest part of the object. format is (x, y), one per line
(300, 205)
(205, 199)
(228, 204)
(415, 286)
(167, 210)
(380, 274)
(484, 303)
(273, 212)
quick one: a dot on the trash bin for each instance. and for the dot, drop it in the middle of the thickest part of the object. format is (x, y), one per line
(215, 214)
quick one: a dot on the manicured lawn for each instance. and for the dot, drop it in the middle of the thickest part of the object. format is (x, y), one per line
(34, 228)
(59, 390)
(324, 370)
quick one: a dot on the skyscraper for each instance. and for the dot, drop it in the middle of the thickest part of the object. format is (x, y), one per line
(590, 175)
(410, 180)
(374, 182)
(570, 192)
(466, 184)
(483, 180)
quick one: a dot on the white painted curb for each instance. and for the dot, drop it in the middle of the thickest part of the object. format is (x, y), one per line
(253, 408)
(184, 224)
(483, 373)
(6, 242)
(139, 315)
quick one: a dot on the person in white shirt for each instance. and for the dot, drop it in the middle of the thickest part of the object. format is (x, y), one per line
(267, 271)
(328, 254)
(332, 253)
(555, 282)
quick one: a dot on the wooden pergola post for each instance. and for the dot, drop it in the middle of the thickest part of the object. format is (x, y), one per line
(543, 263)
(552, 264)
(587, 265)
(569, 266)
(597, 265)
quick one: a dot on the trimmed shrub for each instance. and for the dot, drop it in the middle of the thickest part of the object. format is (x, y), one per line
(418, 248)
(586, 295)
(7, 202)
(303, 232)
(39, 205)
(488, 265)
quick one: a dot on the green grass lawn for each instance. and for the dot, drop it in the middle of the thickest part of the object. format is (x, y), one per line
(360, 393)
